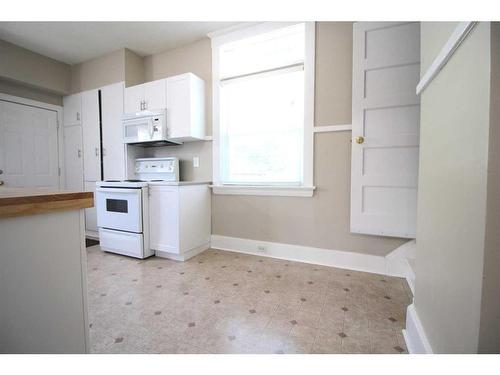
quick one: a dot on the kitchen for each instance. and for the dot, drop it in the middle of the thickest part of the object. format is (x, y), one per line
(141, 208)
(235, 187)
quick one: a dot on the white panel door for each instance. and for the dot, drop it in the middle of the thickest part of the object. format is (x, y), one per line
(91, 136)
(29, 154)
(112, 132)
(155, 95)
(133, 98)
(73, 157)
(164, 218)
(385, 128)
(72, 110)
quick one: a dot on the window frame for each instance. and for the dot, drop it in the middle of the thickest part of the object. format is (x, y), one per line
(306, 189)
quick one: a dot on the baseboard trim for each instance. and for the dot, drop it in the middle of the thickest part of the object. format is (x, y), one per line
(92, 234)
(184, 256)
(398, 263)
(326, 257)
(414, 334)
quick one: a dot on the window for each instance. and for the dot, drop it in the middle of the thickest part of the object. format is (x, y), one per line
(263, 109)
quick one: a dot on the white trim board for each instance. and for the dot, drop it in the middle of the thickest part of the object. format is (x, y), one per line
(398, 263)
(280, 191)
(332, 128)
(457, 37)
(414, 334)
(325, 257)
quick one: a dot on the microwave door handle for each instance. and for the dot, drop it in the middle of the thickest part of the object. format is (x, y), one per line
(151, 130)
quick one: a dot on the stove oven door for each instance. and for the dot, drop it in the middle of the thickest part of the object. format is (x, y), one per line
(119, 209)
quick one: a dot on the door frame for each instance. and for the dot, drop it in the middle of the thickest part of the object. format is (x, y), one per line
(60, 137)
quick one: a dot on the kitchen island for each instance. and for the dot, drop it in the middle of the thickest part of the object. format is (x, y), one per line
(43, 306)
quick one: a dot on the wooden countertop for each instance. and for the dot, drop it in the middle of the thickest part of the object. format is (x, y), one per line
(29, 201)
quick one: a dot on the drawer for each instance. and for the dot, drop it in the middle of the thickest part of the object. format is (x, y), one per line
(131, 244)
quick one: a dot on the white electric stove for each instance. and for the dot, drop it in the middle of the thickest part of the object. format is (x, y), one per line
(123, 208)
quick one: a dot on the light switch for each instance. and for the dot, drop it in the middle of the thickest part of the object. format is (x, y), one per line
(196, 161)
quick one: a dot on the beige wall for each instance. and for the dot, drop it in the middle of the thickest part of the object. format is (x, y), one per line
(452, 191)
(333, 86)
(15, 89)
(195, 58)
(33, 70)
(134, 68)
(489, 332)
(98, 72)
(321, 221)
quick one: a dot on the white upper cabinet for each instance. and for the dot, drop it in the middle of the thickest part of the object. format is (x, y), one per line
(186, 107)
(155, 95)
(91, 136)
(134, 99)
(113, 151)
(147, 96)
(72, 113)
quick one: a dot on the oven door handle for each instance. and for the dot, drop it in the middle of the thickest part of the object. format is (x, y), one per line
(118, 190)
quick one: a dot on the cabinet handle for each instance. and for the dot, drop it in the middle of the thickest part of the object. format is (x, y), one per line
(145, 104)
(103, 152)
(79, 153)
(77, 116)
(96, 151)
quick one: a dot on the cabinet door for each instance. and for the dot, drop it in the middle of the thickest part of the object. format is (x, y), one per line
(90, 213)
(186, 107)
(164, 218)
(91, 136)
(72, 110)
(73, 157)
(155, 93)
(134, 95)
(178, 108)
(113, 152)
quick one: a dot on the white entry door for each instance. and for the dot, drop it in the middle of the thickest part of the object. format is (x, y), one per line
(29, 154)
(385, 128)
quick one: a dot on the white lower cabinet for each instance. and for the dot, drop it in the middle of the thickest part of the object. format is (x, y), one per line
(164, 218)
(179, 220)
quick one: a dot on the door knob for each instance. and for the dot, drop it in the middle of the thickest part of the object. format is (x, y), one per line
(1, 171)
(1, 183)
(359, 139)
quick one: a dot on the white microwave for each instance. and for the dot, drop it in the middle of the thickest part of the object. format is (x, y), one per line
(146, 129)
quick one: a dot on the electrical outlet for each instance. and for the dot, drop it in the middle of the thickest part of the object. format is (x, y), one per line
(261, 248)
(196, 161)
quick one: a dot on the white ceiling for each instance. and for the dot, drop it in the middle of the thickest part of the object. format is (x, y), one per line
(75, 42)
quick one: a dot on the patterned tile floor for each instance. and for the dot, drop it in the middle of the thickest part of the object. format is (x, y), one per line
(224, 302)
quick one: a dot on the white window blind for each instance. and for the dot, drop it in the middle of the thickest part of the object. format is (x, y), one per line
(261, 108)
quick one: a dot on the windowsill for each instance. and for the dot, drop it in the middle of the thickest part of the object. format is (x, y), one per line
(280, 191)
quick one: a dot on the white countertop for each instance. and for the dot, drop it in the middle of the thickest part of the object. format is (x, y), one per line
(178, 183)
